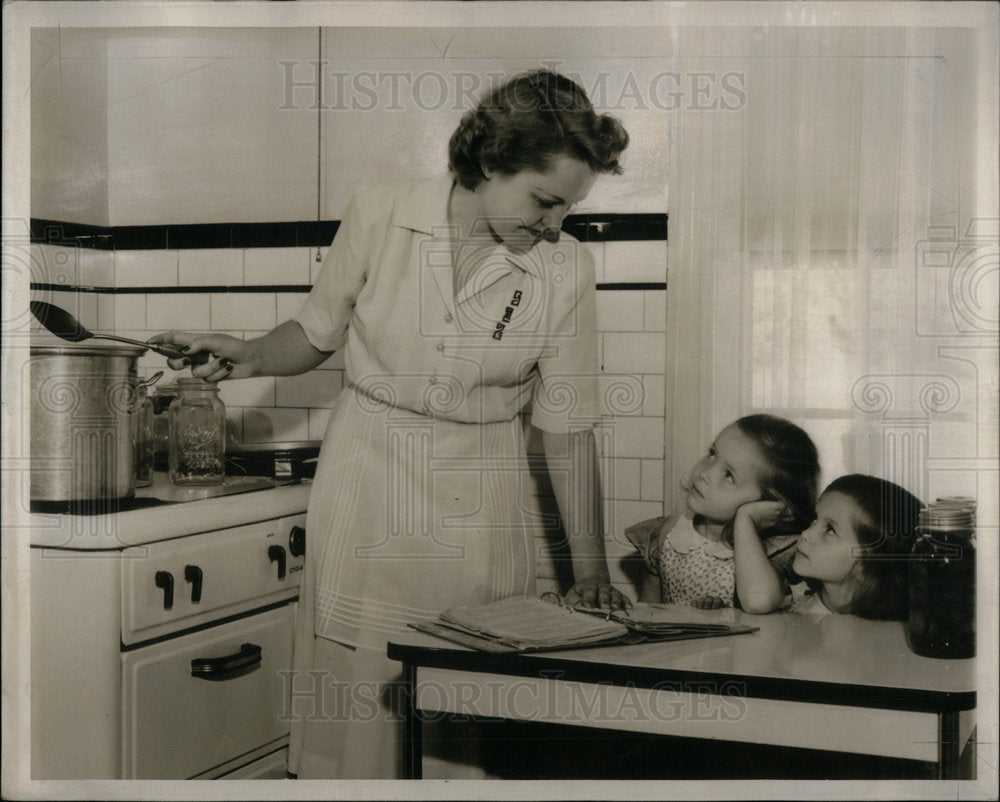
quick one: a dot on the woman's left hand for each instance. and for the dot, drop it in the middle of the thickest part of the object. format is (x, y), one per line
(596, 591)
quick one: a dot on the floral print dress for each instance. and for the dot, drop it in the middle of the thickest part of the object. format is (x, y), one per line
(689, 565)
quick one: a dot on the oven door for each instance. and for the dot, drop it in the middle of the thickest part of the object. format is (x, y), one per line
(197, 701)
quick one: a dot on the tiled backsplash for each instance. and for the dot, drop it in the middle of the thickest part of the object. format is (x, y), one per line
(138, 293)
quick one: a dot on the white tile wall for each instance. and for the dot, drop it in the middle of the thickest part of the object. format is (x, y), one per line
(234, 310)
(621, 478)
(97, 268)
(619, 310)
(651, 483)
(654, 400)
(636, 437)
(654, 310)
(202, 266)
(635, 352)
(50, 264)
(255, 392)
(277, 265)
(182, 311)
(146, 268)
(643, 260)
(106, 313)
(129, 311)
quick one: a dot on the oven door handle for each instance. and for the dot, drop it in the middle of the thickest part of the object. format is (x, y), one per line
(244, 661)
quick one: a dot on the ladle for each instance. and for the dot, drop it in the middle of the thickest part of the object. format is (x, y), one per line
(62, 324)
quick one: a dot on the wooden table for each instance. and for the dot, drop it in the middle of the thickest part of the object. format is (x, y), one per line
(833, 682)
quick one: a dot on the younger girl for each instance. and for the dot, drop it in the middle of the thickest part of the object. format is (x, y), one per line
(689, 557)
(853, 558)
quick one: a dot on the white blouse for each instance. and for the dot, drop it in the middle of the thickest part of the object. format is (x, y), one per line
(522, 328)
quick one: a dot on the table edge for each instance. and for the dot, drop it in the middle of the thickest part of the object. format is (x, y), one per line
(647, 677)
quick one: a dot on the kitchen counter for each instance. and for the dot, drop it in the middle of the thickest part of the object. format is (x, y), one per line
(164, 511)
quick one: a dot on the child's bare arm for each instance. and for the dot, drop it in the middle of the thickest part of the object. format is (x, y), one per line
(649, 588)
(758, 584)
(647, 537)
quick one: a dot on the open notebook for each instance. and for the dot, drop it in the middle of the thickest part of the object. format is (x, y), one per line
(527, 624)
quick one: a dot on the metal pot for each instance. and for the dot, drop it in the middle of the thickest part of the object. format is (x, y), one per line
(81, 439)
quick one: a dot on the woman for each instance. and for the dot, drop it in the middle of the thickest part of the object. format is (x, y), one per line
(457, 305)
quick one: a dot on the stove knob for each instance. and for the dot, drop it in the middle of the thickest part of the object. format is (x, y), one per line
(165, 580)
(193, 574)
(277, 554)
(297, 541)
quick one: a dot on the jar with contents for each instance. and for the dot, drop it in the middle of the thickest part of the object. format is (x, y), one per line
(163, 396)
(197, 425)
(142, 435)
(942, 620)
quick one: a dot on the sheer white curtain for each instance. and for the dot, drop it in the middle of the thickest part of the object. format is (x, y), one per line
(833, 250)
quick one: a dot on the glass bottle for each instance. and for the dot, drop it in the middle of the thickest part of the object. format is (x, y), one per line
(197, 424)
(142, 436)
(942, 620)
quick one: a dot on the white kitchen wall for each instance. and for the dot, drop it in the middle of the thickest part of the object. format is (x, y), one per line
(69, 126)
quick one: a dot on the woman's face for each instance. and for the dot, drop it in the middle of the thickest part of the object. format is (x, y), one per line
(828, 550)
(519, 208)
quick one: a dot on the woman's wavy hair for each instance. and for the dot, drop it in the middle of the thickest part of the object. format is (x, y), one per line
(886, 526)
(529, 120)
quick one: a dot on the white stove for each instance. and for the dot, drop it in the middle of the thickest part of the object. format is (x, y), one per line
(162, 636)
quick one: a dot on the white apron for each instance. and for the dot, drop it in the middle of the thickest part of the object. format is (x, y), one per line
(408, 515)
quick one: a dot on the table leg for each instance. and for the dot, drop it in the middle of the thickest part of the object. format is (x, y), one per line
(949, 749)
(412, 736)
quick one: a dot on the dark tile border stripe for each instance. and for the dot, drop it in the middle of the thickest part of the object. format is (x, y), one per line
(632, 285)
(190, 288)
(246, 288)
(585, 227)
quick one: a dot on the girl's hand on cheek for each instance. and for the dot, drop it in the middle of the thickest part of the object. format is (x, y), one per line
(765, 514)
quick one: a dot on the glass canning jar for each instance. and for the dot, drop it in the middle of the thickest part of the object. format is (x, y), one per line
(197, 425)
(942, 621)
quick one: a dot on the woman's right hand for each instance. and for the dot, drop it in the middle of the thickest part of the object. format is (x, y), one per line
(230, 358)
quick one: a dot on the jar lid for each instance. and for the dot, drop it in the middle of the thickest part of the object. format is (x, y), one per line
(947, 517)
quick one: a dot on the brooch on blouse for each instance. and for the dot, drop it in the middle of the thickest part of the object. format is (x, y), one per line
(508, 312)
